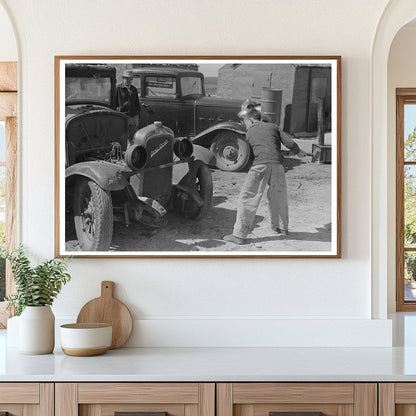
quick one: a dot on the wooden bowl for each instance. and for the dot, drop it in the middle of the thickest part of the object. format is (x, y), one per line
(84, 340)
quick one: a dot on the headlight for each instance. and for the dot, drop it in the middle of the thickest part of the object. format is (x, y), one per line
(136, 157)
(183, 148)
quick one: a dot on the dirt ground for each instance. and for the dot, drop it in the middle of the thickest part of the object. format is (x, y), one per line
(309, 195)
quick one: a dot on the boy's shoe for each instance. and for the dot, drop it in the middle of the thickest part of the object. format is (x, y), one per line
(231, 238)
(280, 231)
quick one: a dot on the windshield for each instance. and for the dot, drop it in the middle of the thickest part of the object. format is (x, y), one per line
(191, 86)
(160, 86)
(82, 88)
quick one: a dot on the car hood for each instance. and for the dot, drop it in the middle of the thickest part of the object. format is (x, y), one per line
(76, 109)
(234, 103)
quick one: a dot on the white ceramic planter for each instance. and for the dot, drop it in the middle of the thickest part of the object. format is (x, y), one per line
(37, 330)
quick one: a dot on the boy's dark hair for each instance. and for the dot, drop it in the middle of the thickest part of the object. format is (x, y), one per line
(251, 113)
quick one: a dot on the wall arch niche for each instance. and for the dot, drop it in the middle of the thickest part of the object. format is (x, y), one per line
(401, 75)
(394, 22)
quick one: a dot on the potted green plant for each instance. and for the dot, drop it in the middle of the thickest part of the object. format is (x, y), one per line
(36, 289)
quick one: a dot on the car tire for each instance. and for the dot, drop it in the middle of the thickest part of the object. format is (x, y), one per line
(93, 216)
(231, 150)
(205, 188)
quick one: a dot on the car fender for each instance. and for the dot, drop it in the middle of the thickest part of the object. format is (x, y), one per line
(205, 137)
(110, 176)
(185, 173)
(204, 155)
(200, 155)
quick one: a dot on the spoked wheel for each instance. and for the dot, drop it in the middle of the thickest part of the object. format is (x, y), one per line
(231, 151)
(93, 216)
(204, 186)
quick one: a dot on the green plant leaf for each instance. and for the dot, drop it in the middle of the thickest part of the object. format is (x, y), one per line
(35, 286)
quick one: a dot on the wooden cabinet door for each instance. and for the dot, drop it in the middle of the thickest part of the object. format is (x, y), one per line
(397, 399)
(297, 399)
(145, 399)
(26, 399)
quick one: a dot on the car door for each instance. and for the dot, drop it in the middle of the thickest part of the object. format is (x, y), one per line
(161, 101)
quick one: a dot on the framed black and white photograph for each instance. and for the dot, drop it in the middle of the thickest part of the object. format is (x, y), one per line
(198, 156)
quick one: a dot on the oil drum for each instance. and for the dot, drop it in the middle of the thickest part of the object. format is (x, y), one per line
(271, 104)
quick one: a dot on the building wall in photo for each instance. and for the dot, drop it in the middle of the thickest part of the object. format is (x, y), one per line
(300, 85)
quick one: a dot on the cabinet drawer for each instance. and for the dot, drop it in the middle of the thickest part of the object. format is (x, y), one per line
(296, 399)
(19, 393)
(138, 393)
(146, 399)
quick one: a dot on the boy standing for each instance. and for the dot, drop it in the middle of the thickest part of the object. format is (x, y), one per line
(267, 169)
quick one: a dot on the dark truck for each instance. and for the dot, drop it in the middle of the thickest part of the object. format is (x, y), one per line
(176, 96)
(109, 177)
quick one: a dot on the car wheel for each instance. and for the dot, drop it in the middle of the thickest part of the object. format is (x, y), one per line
(231, 150)
(204, 187)
(93, 216)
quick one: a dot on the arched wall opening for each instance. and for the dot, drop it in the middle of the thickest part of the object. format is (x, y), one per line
(401, 73)
(386, 76)
(8, 147)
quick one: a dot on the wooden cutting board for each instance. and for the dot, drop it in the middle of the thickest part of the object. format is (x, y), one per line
(108, 310)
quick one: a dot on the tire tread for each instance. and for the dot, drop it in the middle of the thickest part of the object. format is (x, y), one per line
(103, 217)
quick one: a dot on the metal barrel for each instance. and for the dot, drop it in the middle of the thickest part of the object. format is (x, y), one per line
(271, 104)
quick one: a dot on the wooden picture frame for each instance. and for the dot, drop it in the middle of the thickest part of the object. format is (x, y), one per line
(166, 182)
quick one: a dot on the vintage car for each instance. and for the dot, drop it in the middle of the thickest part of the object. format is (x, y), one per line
(176, 96)
(110, 177)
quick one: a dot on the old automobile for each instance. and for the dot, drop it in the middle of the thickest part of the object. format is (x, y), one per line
(176, 96)
(111, 177)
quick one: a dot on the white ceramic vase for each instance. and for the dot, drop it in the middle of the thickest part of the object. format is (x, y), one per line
(37, 330)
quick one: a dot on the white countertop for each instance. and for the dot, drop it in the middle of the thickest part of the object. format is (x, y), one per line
(215, 364)
(221, 364)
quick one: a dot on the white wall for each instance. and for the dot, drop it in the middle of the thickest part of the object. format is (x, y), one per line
(8, 46)
(204, 302)
(401, 74)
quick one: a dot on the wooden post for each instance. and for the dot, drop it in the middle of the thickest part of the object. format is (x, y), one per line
(11, 183)
(321, 137)
(8, 76)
